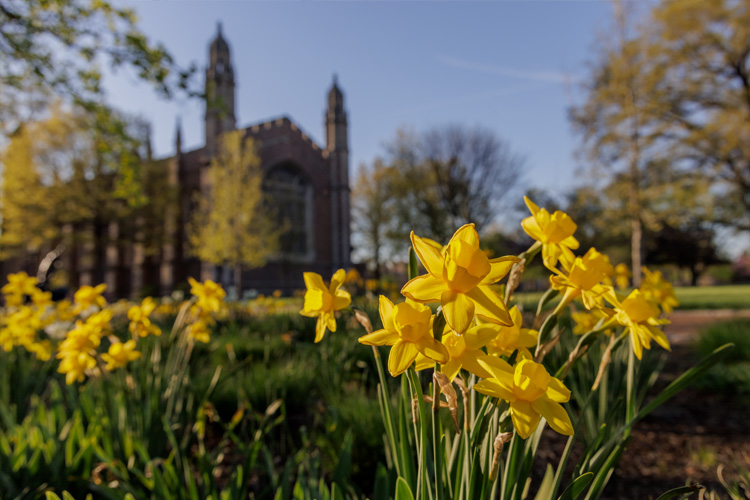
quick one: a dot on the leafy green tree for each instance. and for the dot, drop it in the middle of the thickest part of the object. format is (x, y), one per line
(232, 224)
(57, 186)
(51, 50)
(701, 59)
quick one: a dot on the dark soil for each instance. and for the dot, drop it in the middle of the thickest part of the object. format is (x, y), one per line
(689, 437)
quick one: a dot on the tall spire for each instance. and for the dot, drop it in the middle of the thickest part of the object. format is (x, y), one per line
(337, 147)
(219, 91)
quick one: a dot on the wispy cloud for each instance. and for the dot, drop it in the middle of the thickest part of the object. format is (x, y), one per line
(536, 76)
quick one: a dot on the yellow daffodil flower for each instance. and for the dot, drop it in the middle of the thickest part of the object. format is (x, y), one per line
(554, 232)
(140, 322)
(661, 291)
(42, 349)
(640, 317)
(19, 285)
(75, 365)
(199, 329)
(584, 278)
(408, 328)
(586, 321)
(89, 296)
(622, 276)
(464, 351)
(531, 392)
(210, 295)
(323, 301)
(513, 337)
(120, 354)
(459, 279)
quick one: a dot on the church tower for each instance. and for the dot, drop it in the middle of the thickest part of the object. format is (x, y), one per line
(337, 148)
(219, 92)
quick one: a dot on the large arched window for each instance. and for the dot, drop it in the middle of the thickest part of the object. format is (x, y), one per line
(291, 197)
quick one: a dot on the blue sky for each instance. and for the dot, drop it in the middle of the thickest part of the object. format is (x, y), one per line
(513, 67)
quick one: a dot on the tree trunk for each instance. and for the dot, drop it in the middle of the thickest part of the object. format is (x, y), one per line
(237, 268)
(636, 238)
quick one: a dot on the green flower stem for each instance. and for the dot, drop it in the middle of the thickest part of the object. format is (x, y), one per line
(437, 451)
(423, 437)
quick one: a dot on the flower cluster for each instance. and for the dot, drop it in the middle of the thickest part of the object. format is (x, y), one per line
(480, 336)
(75, 332)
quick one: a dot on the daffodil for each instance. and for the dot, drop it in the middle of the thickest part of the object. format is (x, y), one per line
(87, 297)
(120, 354)
(408, 328)
(513, 337)
(75, 365)
(640, 317)
(583, 279)
(140, 322)
(586, 321)
(554, 232)
(531, 392)
(464, 350)
(622, 276)
(459, 279)
(19, 286)
(323, 301)
(210, 295)
(656, 288)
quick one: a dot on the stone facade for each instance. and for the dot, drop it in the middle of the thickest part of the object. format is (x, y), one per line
(308, 183)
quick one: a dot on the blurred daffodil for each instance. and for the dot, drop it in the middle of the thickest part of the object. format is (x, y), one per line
(554, 232)
(661, 291)
(640, 317)
(583, 279)
(323, 301)
(120, 354)
(210, 295)
(459, 279)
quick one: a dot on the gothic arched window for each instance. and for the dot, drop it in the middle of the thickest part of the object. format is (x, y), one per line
(291, 196)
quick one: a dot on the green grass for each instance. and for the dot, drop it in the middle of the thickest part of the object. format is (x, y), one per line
(690, 297)
(714, 297)
(733, 375)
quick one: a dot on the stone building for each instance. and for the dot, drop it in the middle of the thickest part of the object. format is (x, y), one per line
(308, 184)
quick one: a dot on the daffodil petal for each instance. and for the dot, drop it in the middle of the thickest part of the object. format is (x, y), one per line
(659, 337)
(320, 328)
(337, 279)
(331, 319)
(481, 335)
(492, 387)
(554, 414)
(570, 242)
(525, 418)
(429, 256)
(310, 314)
(457, 309)
(499, 368)
(557, 391)
(341, 299)
(499, 268)
(313, 281)
(468, 234)
(451, 368)
(531, 227)
(380, 337)
(533, 207)
(471, 364)
(385, 308)
(423, 362)
(635, 343)
(489, 305)
(401, 357)
(425, 288)
(433, 349)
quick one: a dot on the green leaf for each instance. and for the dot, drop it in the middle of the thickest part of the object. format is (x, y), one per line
(413, 265)
(51, 496)
(545, 489)
(681, 491)
(403, 492)
(344, 466)
(336, 492)
(576, 488)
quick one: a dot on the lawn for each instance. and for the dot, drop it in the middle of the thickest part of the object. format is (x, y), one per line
(697, 297)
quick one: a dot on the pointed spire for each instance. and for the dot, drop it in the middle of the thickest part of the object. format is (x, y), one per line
(218, 28)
